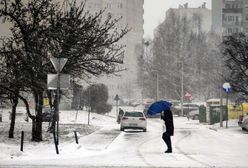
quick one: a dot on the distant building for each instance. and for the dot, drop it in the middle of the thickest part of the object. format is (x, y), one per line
(131, 11)
(203, 12)
(230, 16)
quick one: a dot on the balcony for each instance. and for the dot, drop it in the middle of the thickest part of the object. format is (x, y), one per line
(232, 10)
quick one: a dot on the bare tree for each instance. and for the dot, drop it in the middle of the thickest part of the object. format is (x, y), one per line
(41, 30)
(182, 48)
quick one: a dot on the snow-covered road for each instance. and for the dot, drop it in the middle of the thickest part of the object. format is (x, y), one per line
(194, 145)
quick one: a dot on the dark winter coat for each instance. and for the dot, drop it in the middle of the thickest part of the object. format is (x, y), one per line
(168, 120)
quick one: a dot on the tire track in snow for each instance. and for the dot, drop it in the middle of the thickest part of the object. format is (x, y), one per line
(188, 133)
(138, 151)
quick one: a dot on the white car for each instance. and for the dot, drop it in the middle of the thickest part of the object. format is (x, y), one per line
(133, 120)
(194, 114)
(243, 122)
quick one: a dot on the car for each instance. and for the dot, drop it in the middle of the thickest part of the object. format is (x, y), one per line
(243, 122)
(187, 107)
(194, 114)
(133, 120)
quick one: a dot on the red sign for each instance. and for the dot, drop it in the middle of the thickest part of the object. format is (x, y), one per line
(188, 96)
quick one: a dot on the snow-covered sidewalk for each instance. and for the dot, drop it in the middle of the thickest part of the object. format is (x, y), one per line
(101, 144)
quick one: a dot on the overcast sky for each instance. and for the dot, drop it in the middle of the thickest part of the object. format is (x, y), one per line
(155, 11)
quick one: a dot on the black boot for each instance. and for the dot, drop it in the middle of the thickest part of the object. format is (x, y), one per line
(168, 151)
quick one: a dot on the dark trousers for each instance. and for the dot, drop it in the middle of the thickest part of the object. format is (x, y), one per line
(167, 139)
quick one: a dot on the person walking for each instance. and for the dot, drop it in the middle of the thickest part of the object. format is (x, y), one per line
(168, 121)
(121, 112)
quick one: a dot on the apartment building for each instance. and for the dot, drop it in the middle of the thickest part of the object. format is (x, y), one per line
(131, 11)
(230, 16)
(202, 11)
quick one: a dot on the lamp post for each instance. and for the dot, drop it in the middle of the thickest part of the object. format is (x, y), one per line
(157, 88)
(182, 91)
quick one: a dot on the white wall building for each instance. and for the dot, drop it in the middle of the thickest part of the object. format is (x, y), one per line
(131, 11)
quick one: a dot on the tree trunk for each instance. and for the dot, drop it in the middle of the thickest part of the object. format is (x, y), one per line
(13, 116)
(37, 122)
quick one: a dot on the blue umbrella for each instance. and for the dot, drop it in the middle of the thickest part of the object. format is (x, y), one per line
(158, 107)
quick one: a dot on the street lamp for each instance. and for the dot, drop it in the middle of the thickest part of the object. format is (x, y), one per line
(182, 83)
(157, 88)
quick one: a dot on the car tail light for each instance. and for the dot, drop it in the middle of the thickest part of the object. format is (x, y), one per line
(142, 119)
(124, 118)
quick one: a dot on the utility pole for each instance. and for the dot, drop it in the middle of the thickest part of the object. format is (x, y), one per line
(182, 91)
(157, 96)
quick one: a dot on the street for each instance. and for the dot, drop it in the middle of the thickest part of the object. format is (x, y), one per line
(194, 145)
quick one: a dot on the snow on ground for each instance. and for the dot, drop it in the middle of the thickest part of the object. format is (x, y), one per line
(102, 144)
(70, 121)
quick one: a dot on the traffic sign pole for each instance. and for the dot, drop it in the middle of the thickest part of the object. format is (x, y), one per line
(58, 64)
(227, 110)
(227, 89)
(58, 100)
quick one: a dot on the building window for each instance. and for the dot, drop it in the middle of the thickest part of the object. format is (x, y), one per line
(229, 30)
(227, 6)
(246, 17)
(119, 5)
(96, 5)
(109, 5)
(224, 18)
(230, 18)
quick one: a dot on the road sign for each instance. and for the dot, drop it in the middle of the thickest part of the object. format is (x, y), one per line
(117, 97)
(227, 87)
(58, 63)
(52, 81)
(188, 95)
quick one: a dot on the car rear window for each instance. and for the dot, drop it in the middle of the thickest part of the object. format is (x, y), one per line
(134, 114)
